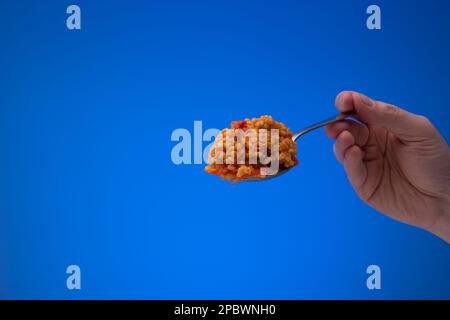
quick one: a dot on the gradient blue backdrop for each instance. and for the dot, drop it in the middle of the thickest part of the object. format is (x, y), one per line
(86, 176)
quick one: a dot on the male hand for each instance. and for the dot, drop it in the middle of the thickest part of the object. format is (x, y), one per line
(396, 161)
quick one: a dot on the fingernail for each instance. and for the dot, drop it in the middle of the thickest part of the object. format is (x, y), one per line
(367, 101)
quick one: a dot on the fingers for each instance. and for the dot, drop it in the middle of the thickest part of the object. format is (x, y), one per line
(351, 157)
(354, 166)
(333, 130)
(344, 101)
(403, 124)
(359, 131)
(343, 142)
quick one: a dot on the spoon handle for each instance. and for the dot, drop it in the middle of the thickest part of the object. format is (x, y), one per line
(323, 123)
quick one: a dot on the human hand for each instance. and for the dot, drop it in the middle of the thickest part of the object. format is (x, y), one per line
(396, 161)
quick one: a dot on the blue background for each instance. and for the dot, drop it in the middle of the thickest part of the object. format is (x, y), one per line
(86, 176)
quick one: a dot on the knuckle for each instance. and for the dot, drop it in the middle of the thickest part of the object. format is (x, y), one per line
(426, 125)
(390, 109)
(336, 147)
(336, 150)
(424, 121)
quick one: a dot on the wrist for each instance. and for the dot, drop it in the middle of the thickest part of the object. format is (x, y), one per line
(441, 227)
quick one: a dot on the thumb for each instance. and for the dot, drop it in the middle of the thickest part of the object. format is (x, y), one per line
(405, 125)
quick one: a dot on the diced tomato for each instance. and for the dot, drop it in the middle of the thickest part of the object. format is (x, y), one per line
(239, 125)
(256, 174)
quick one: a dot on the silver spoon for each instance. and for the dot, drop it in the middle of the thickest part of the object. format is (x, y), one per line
(310, 128)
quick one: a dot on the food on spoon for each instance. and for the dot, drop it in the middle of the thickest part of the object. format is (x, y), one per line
(226, 164)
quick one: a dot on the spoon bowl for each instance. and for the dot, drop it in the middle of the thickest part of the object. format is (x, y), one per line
(310, 128)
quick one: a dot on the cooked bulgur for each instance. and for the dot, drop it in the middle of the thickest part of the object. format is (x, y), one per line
(227, 164)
